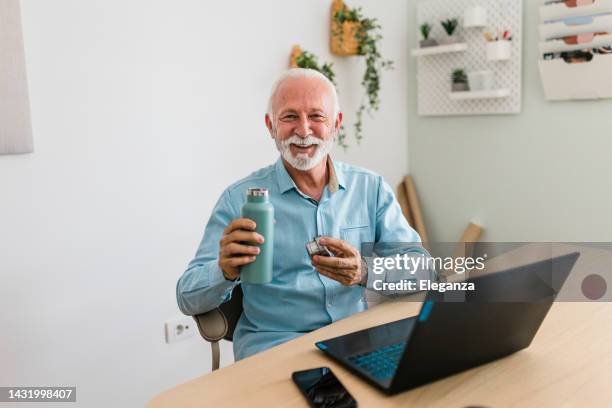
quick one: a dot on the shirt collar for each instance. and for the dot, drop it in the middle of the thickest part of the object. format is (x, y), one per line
(336, 178)
(286, 183)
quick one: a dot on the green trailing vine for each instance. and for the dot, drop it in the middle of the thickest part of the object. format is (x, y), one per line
(368, 35)
(309, 60)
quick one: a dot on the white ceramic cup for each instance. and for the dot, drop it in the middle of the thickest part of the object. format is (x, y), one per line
(481, 80)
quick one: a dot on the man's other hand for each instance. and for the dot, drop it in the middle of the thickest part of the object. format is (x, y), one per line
(236, 247)
(345, 267)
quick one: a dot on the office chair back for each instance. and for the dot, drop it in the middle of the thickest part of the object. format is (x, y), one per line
(220, 323)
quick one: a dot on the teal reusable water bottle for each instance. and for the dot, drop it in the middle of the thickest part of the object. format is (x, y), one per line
(259, 209)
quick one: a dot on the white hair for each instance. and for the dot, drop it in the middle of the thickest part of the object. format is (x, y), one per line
(301, 73)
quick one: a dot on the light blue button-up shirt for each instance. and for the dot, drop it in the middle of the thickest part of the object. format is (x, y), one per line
(356, 206)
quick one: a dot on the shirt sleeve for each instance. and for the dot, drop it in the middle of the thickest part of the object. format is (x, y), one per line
(395, 236)
(202, 287)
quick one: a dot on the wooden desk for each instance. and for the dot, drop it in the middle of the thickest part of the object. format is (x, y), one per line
(569, 364)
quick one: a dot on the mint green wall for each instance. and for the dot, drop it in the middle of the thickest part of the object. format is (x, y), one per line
(542, 175)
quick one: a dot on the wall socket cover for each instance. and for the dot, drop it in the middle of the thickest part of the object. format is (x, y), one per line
(179, 328)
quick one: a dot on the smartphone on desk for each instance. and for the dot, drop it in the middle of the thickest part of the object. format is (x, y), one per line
(322, 389)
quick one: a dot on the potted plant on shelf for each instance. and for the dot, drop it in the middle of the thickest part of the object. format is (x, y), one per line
(450, 27)
(459, 81)
(426, 41)
(304, 59)
(366, 32)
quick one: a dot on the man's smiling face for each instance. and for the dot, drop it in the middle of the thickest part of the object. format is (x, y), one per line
(303, 123)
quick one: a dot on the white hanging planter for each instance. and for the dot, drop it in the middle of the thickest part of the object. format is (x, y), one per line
(499, 50)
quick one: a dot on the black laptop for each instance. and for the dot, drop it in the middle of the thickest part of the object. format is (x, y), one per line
(455, 331)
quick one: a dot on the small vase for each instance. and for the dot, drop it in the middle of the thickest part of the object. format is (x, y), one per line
(481, 80)
(449, 39)
(460, 87)
(430, 42)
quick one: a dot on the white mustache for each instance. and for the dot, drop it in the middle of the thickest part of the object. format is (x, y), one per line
(302, 161)
(300, 141)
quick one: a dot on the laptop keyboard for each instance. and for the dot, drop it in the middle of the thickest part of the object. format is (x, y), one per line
(380, 363)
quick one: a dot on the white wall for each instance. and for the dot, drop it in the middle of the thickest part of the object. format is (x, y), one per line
(142, 113)
(543, 175)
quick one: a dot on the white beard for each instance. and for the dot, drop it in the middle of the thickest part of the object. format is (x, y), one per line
(302, 161)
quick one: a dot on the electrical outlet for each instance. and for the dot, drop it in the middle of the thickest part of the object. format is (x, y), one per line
(180, 328)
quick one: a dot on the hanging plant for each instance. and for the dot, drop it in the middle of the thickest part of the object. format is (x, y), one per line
(344, 39)
(367, 33)
(305, 59)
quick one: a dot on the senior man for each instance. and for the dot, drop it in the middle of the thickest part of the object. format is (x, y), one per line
(312, 196)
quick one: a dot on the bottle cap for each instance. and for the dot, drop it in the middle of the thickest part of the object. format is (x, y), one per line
(257, 192)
